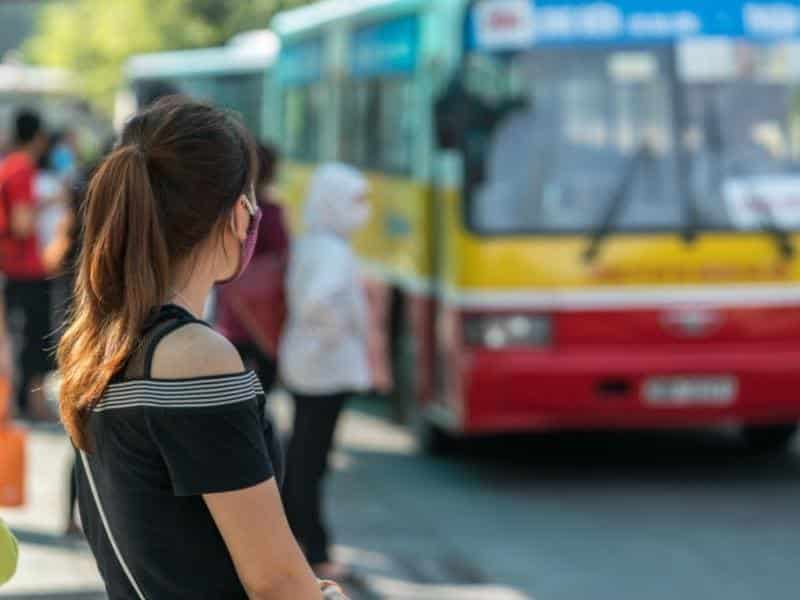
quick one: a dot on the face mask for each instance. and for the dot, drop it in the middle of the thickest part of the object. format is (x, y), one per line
(247, 246)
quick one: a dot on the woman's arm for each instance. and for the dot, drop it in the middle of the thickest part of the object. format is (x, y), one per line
(265, 553)
(251, 520)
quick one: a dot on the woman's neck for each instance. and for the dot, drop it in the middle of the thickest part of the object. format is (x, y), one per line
(192, 297)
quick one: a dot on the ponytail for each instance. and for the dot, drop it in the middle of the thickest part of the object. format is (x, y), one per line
(173, 182)
(124, 273)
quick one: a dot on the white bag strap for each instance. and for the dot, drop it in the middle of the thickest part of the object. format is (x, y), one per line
(106, 526)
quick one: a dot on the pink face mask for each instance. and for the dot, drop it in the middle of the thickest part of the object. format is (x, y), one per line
(247, 246)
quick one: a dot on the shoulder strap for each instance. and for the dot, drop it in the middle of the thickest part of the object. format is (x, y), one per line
(124, 565)
(170, 318)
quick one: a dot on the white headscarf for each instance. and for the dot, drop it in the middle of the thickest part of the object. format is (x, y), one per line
(331, 206)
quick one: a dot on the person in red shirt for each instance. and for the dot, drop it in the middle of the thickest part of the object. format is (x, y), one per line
(27, 289)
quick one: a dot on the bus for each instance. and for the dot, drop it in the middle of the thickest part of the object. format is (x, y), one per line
(52, 93)
(232, 76)
(585, 213)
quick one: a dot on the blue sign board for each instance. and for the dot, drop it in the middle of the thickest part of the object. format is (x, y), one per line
(389, 48)
(505, 25)
(301, 62)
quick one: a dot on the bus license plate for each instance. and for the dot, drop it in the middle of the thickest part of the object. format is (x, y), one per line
(676, 392)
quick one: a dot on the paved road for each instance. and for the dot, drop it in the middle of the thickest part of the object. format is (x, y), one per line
(571, 517)
(589, 517)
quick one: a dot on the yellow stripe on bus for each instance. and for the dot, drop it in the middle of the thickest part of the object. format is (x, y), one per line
(396, 240)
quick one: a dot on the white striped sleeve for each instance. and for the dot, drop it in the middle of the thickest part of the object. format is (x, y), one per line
(209, 431)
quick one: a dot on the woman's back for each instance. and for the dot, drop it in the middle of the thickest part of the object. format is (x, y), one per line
(180, 437)
(177, 460)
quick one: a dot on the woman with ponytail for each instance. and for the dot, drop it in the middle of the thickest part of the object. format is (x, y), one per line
(177, 462)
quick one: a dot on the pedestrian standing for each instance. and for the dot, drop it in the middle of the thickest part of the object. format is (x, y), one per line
(27, 290)
(176, 482)
(323, 356)
(52, 192)
(273, 240)
(65, 155)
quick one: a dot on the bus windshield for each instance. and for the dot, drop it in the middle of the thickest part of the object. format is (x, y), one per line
(572, 130)
(743, 139)
(566, 130)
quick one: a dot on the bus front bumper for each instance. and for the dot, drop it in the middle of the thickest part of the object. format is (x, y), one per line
(610, 388)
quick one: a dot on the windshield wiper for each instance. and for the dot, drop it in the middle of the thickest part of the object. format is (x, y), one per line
(770, 224)
(616, 203)
(783, 241)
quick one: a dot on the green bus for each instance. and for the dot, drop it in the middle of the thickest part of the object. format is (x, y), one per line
(233, 76)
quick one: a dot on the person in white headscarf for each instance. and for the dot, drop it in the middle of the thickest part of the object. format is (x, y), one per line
(323, 354)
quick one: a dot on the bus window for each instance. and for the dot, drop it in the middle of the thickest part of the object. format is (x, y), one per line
(303, 107)
(744, 143)
(148, 91)
(356, 97)
(569, 126)
(396, 122)
(242, 94)
(377, 120)
(379, 104)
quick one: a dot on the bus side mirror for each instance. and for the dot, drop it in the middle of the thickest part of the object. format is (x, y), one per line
(457, 112)
(450, 119)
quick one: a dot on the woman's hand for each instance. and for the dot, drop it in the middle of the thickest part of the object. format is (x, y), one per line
(331, 591)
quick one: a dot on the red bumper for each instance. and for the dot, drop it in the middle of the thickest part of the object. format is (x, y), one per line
(521, 390)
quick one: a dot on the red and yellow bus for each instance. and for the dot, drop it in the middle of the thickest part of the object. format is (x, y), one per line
(585, 213)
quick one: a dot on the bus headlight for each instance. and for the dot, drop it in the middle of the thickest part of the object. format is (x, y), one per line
(508, 331)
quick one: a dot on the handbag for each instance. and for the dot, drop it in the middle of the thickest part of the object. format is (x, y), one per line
(13, 442)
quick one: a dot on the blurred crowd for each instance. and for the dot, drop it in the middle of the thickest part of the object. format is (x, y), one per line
(39, 178)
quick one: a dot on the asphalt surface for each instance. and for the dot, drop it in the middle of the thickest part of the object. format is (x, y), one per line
(646, 515)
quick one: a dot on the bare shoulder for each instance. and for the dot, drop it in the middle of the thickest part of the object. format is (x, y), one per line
(195, 351)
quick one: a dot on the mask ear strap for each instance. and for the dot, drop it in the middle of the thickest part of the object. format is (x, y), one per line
(251, 210)
(250, 205)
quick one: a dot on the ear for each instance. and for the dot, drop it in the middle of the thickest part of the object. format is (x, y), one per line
(240, 218)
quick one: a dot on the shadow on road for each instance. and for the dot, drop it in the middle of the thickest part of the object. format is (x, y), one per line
(643, 456)
(558, 515)
(647, 455)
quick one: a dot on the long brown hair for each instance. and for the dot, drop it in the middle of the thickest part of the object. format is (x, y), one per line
(172, 181)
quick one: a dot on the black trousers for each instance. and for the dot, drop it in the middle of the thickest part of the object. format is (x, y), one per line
(28, 306)
(306, 465)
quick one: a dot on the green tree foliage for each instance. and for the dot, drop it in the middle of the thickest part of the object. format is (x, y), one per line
(229, 17)
(94, 38)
